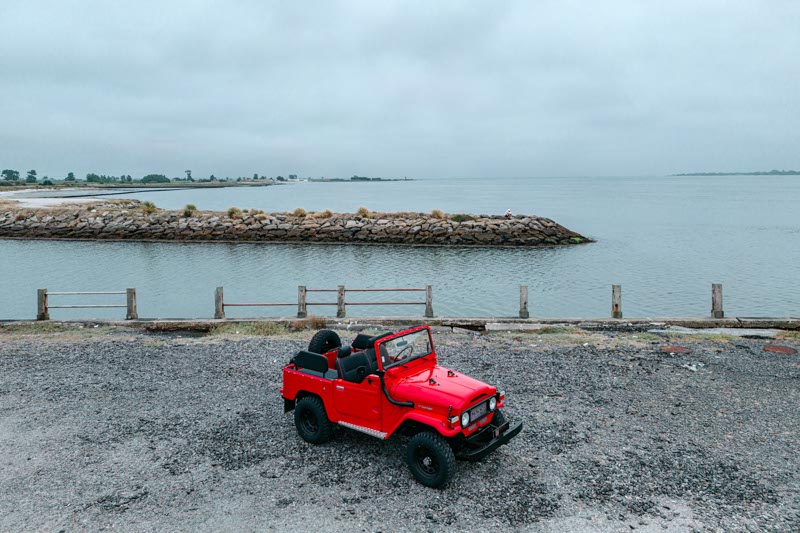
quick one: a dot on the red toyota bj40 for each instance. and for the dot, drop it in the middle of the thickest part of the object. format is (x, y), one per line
(391, 384)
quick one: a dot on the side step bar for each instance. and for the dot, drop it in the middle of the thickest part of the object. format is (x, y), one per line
(371, 432)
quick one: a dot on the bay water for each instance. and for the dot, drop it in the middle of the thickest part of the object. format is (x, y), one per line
(665, 239)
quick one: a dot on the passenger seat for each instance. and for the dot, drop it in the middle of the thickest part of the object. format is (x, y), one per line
(354, 367)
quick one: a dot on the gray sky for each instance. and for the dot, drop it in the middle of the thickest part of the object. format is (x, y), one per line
(399, 88)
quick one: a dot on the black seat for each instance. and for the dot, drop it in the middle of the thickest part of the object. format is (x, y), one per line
(362, 341)
(354, 367)
(312, 363)
(372, 359)
(344, 351)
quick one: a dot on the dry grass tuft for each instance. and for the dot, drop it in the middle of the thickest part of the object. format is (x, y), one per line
(34, 328)
(437, 213)
(8, 204)
(256, 329)
(558, 330)
(299, 212)
(312, 322)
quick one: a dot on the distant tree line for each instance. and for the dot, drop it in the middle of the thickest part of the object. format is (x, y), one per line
(102, 178)
(12, 177)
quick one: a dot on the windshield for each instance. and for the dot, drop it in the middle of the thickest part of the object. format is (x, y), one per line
(401, 349)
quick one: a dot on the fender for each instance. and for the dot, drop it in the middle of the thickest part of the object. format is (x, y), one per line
(434, 423)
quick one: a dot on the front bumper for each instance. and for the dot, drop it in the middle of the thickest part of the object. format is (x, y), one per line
(477, 447)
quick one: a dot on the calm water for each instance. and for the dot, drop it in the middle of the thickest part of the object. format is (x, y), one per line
(665, 239)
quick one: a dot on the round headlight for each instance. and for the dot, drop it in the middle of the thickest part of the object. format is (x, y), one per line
(492, 403)
(464, 419)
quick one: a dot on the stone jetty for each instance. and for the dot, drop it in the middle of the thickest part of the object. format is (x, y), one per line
(131, 221)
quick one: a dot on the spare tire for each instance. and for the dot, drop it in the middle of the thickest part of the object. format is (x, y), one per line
(324, 341)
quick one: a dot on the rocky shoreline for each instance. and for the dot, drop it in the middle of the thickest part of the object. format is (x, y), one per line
(131, 220)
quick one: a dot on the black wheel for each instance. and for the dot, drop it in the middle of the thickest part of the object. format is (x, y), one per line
(311, 421)
(499, 418)
(430, 459)
(324, 341)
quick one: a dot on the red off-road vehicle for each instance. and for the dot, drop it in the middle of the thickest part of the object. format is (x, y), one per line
(391, 384)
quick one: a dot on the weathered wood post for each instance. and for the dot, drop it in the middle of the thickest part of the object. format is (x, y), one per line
(301, 301)
(41, 305)
(219, 303)
(132, 314)
(716, 301)
(428, 301)
(616, 301)
(340, 309)
(523, 302)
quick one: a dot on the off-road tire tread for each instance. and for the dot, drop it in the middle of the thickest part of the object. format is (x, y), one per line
(322, 338)
(435, 442)
(314, 404)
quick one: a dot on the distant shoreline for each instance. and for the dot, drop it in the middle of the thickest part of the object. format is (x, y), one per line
(757, 173)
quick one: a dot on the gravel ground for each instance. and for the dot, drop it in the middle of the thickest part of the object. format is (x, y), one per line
(108, 428)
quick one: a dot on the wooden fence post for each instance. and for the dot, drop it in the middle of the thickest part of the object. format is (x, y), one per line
(616, 301)
(340, 308)
(428, 301)
(716, 301)
(132, 313)
(301, 301)
(219, 303)
(41, 305)
(523, 302)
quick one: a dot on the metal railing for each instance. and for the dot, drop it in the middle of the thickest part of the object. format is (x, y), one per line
(43, 305)
(616, 301)
(340, 303)
(43, 301)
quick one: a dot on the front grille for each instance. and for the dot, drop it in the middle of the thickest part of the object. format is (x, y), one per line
(478, 412)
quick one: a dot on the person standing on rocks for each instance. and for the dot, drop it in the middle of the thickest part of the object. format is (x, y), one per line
(509, 214)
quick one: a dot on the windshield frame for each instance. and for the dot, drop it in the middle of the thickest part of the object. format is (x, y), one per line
(406, 332)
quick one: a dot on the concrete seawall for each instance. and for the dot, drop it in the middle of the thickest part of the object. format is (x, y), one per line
(133, 223)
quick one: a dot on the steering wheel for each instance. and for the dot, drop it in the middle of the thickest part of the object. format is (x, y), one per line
(399, 356)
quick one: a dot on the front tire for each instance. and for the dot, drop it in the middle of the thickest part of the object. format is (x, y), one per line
(430, 459)
(311, 420)
(324, 341)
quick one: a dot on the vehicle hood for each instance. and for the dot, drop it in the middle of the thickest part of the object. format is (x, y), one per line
(448, 388)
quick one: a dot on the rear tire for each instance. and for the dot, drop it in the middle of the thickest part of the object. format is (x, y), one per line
(430, 459)
(311, 420)
(324, 341)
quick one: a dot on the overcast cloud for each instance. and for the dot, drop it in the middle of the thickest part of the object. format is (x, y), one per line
(387, 88)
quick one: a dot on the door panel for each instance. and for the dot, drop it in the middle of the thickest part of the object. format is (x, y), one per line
(358, 401)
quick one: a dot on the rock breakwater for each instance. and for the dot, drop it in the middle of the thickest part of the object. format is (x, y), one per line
(135, 223)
